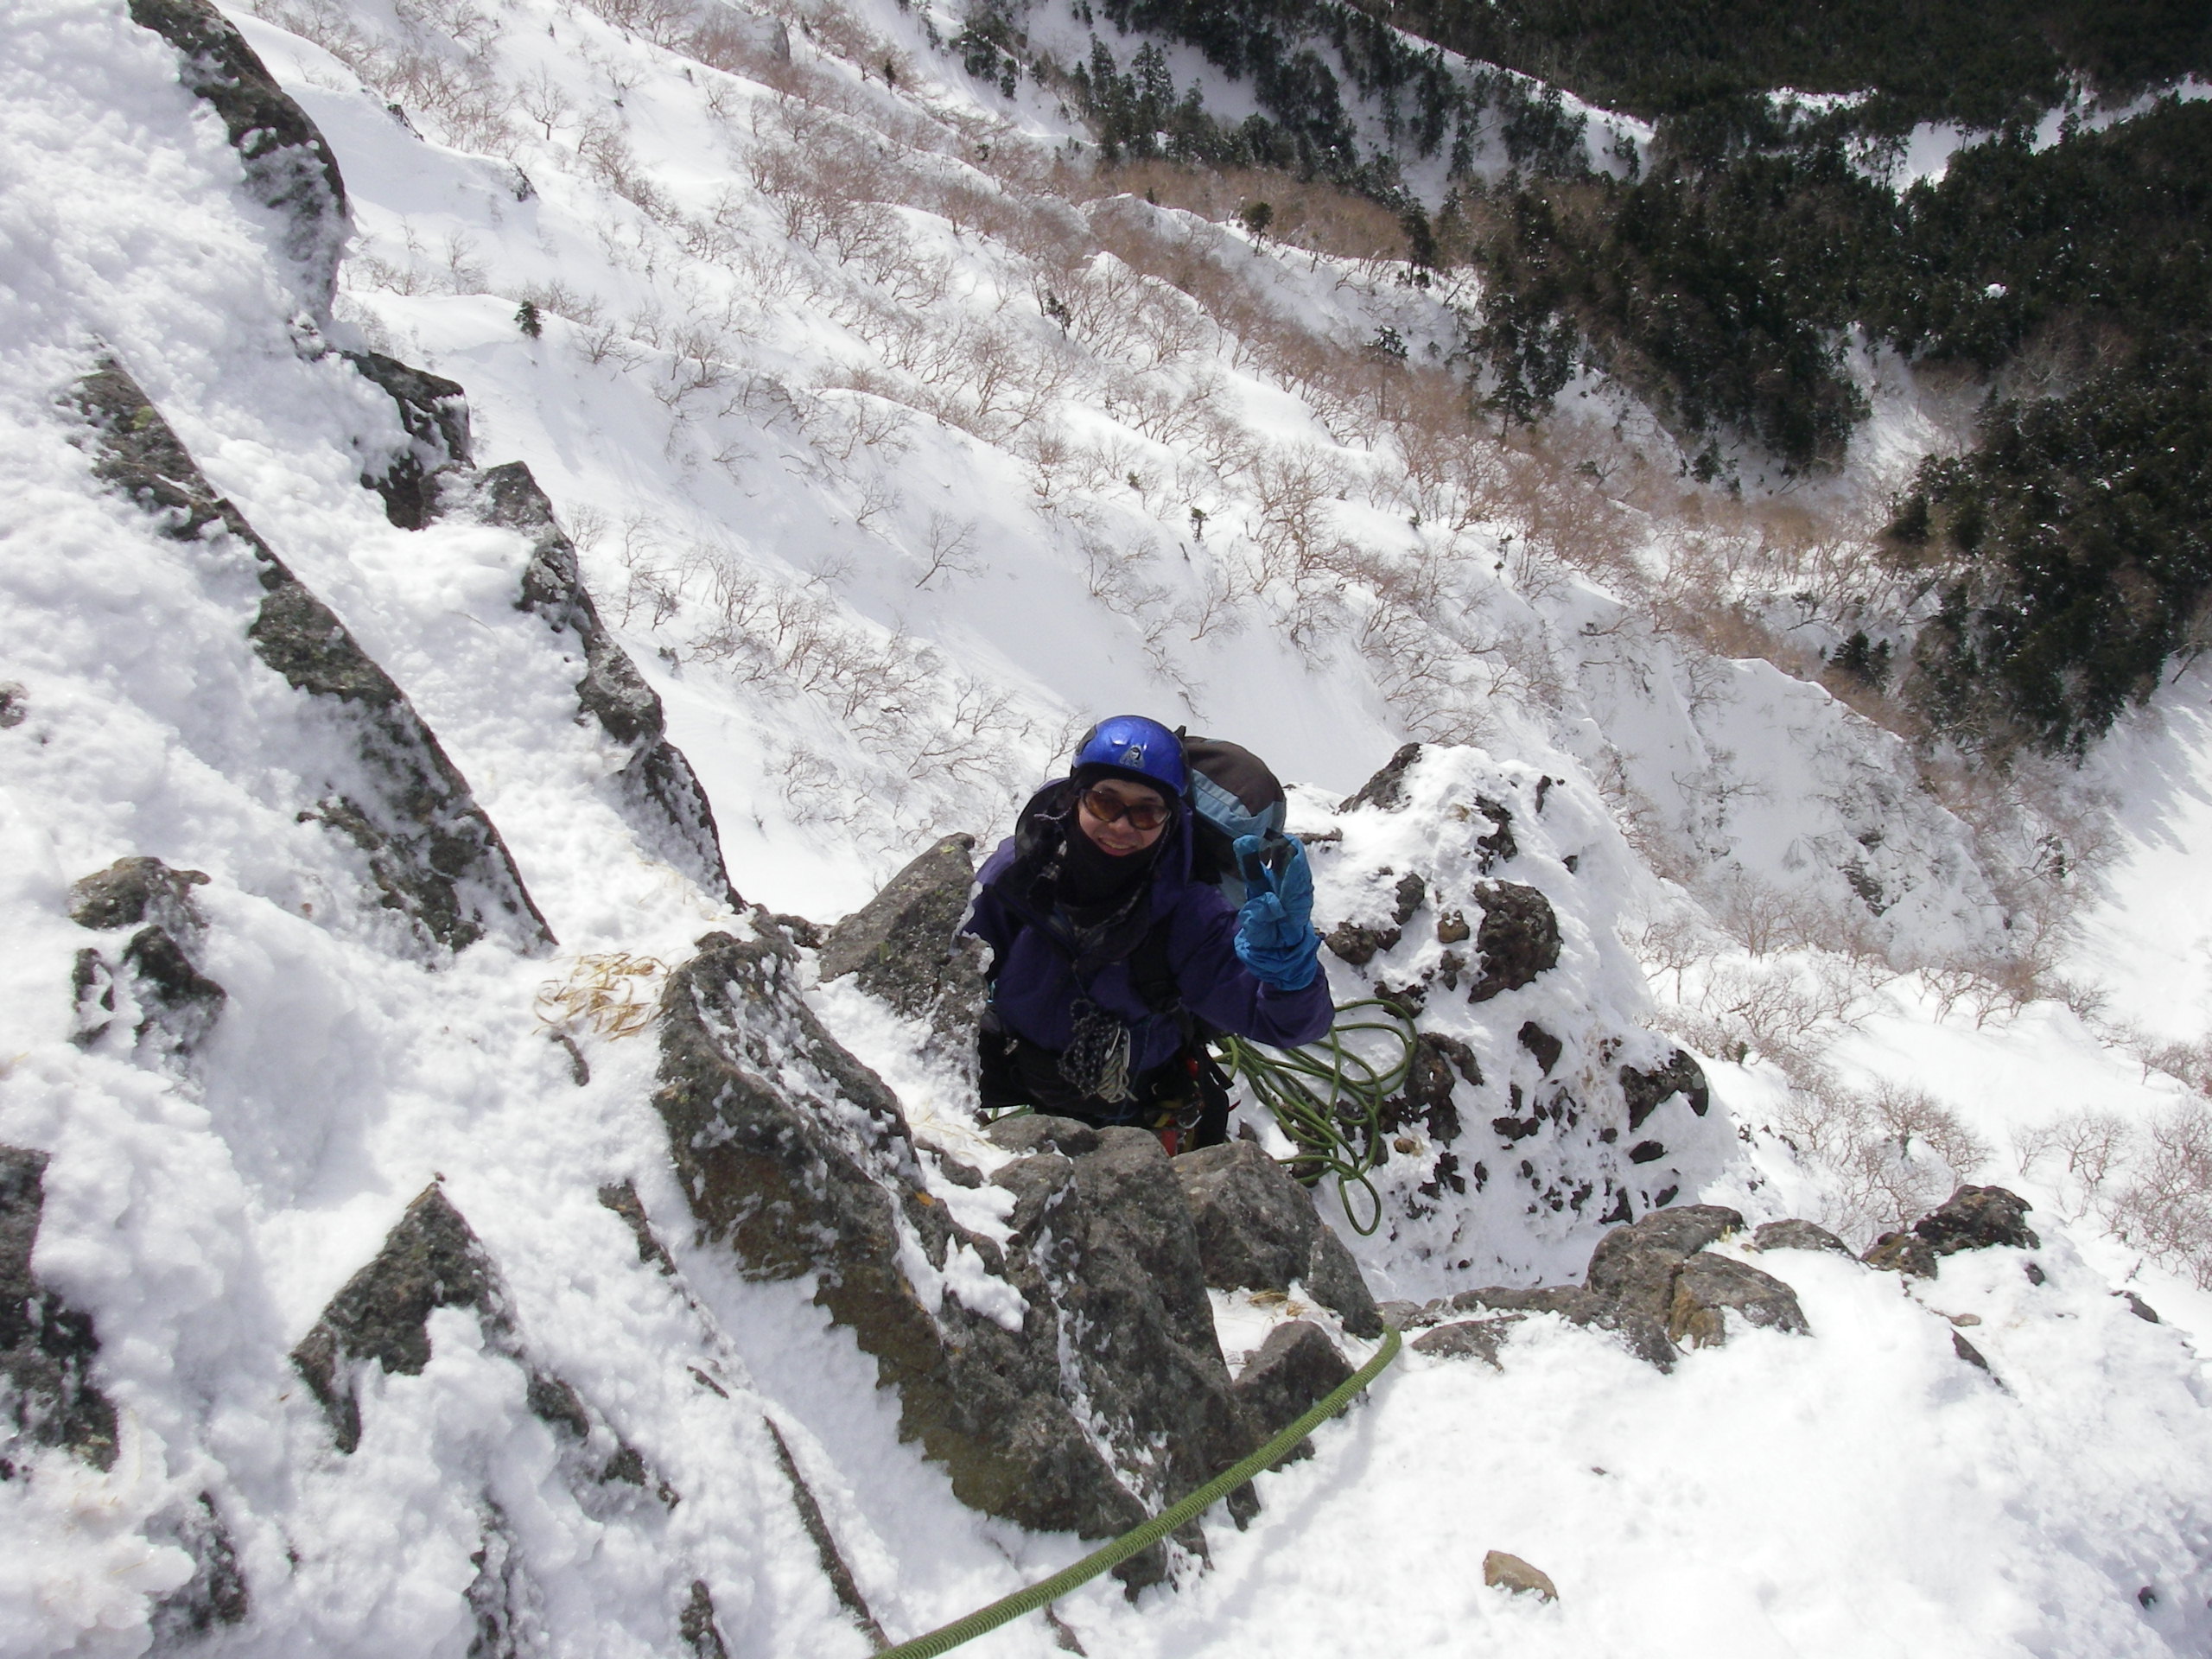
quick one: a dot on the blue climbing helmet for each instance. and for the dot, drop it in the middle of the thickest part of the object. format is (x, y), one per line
(1133, 744)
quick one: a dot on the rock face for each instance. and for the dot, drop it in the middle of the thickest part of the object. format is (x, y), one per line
(432, 1259)
(429, 851)
(1257, 1231)
(1794, 1234)
(823, 1181)
(1653, 1269)
(1465, 1338)
(289, 167)
(47, 1347)
(1386, 790)
(434, 411)
(658, 792)
(1646, 1091)
(1068, 1380)
(1294, 1371)
(1517, 940)
(905, 945)
(1707, 1287)
(1972, 1218)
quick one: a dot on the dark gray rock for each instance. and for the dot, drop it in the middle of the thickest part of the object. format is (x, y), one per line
(430, 1259)
(1465, 1339)
(1643, 1335)
(1794, 1234)
(216, 1593)
(1541, 1043)
(1972, 1218)
(429, 851)
(1386, 790)
(1499, 846)
(1646, 1091)
(1452, 929)
(621, 1197)
(15, 704)
(657, 790)
(905, 945)
(1438, 1064)
(1257, 1230)
(2138, 1308)
(1635, 1265)
(834, 1566)
(178, 1004)
(1509, 1572)
(1037, 1132)
(1296, 1369)
(1403, 1316)
(1408, 896)
(1973, 1355)
(509, 1607)
(137, 892)
(696, 1625)
(819, 1179)
(1517, 940)
(289, 167)
(1357, 945)
(47, 1347)
(434, 412)
(1707, 1287)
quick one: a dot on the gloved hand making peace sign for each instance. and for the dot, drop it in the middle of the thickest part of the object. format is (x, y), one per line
(1275, 930)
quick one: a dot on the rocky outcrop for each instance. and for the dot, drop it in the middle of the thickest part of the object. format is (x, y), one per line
(434, 412)
(1257, 1230)
(177, 1004)
(658, 791)
(1517, 939)
(432, 1259)
(1794, 1234)
(216, 1593)
(427, 849)
(905, 945)
(1296, 1369)
(1646, 1091)
(1972, 1218)
(797, 1159)
(1464, 1339)
(47, 1347)
(1386, 790)
(289, 167)
(1066, 1374)
(1654, 1269)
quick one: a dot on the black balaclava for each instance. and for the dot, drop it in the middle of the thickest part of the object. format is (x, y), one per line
(1093, 882)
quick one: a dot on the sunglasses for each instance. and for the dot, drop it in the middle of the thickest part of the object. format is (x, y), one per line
(1110, 809)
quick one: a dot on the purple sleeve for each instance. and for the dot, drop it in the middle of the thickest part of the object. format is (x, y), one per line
(986, 917)
(1225, 994)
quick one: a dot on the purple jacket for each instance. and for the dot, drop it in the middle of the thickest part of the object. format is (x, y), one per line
(1036, 979)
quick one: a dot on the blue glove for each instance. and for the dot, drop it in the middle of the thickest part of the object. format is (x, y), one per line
(1275, 930)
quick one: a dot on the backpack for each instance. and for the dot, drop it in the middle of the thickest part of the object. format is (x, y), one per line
(1232, 793)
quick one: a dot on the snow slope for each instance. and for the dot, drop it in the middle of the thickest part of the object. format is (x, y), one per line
(1852, 1493)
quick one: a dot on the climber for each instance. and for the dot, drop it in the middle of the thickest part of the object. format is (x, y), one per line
(1110, 962)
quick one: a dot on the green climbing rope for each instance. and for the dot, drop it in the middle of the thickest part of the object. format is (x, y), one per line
(1139, 1538)
(1328, 1097)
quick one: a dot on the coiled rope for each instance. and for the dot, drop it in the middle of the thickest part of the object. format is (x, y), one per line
(1329, 1097)
(1142, 1537)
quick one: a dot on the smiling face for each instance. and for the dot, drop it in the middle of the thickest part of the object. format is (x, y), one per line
(1122, 836)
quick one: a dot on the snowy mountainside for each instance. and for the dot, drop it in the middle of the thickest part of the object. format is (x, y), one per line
(594, 1453)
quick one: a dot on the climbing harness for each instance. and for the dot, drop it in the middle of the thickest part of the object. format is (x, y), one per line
(945, 1639)
(1328, 1097)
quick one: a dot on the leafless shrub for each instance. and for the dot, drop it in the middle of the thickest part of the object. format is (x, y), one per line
(1892, 1153)
(2164, 1207)
(948, 546)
